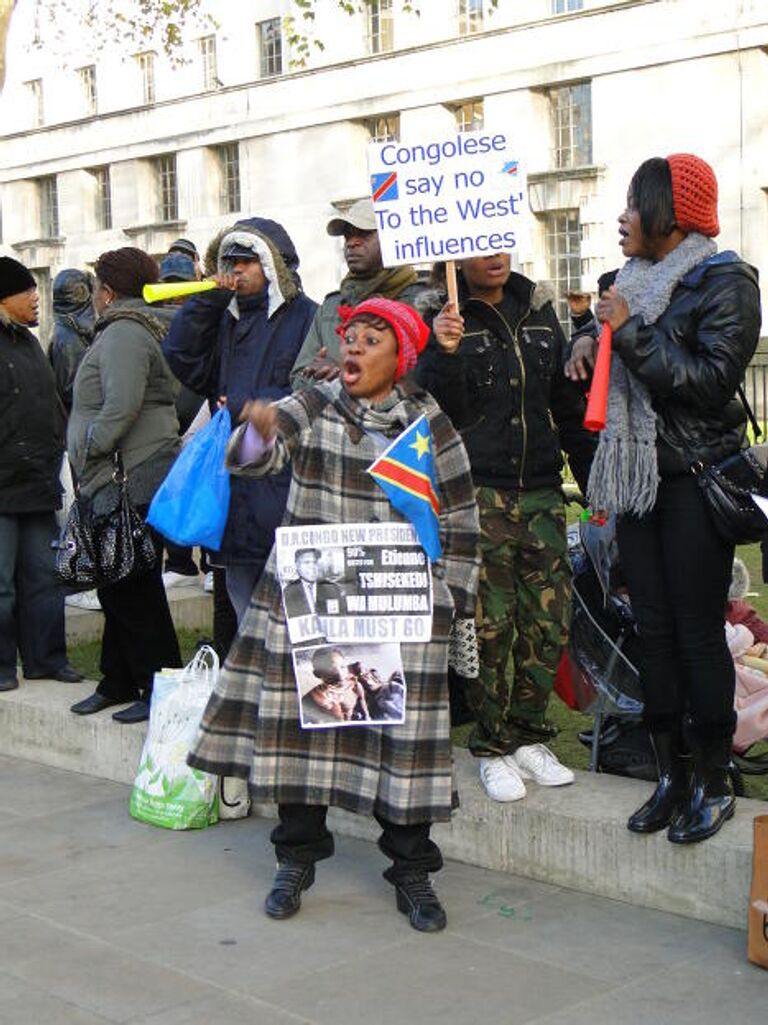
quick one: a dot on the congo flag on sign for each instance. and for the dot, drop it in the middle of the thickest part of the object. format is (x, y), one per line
(384, 186)
(405, 472)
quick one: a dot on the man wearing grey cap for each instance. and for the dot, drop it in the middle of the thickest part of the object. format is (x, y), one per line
(183, 247)
(318, 359)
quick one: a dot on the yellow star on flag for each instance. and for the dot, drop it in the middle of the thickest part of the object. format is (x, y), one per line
(421, 445)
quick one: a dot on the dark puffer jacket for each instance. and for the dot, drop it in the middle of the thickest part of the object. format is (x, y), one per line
(694, 357)
(245, 352)
(31, 425)
(506, 392)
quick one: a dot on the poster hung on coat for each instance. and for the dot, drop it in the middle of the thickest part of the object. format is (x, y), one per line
(350, 685)
(349, 583)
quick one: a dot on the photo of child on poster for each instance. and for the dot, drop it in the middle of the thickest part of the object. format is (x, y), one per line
(354, 582)
(350, 685)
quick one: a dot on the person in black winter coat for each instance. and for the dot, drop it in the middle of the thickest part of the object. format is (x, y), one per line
(496, 367)
(685, 321)
(31, 449)
(237, 343)
(73, 320)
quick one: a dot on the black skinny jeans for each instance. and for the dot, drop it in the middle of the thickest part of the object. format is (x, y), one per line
(139, 635)
(678, 571)
(302, 836)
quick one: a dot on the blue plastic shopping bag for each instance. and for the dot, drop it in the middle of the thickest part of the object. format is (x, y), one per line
(191, 505)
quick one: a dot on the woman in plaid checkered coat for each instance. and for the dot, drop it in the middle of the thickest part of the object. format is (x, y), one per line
(400, 774)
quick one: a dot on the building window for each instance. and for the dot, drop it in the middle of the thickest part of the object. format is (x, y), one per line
(103, 198)
(571, 112)
(269, 46)
(88, 86)
(49, 207)
(146, 62)
(167, 191)
(563, 247)
(35, 88)
(562, 6)
(470, 17)
(229, 159)
(379, 26)
(207, 46)
(469, 116)
(385, 128)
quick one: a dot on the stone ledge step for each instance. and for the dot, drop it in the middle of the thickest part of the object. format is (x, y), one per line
(571, 836)
(191, 608)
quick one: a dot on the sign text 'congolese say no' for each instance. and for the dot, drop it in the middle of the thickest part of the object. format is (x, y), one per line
(444, 199)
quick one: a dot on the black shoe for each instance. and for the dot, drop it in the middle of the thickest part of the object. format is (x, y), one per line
(284, 899)
(711, 803)
(137, 712)
(10, 684)
(672, 791)
(67, 674)
(95, 703)
(417, 899)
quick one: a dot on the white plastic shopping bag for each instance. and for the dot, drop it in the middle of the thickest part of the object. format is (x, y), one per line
(168, 792)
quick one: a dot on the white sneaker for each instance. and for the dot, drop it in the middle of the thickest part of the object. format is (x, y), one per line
(83, 600)
(536, 762)
(501, 779)
(173, 579)
(208, 582)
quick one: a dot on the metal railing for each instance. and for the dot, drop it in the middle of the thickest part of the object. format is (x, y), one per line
(756, 385)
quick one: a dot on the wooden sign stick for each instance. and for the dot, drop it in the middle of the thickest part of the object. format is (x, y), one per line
(450, 280)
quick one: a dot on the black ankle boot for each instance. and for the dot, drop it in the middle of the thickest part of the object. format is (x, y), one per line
(711, 803)
(284, 899)
(671, 791)
(416, 898)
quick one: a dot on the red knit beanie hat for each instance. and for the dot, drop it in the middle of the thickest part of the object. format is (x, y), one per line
(694, 194)
(410, 330)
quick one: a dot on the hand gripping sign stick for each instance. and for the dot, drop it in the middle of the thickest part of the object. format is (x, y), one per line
(165, 290)
(597, 403)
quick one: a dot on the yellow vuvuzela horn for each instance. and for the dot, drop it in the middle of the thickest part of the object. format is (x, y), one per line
(173, 289)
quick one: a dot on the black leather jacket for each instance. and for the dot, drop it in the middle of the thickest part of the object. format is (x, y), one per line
(506, 392)
(693, 359)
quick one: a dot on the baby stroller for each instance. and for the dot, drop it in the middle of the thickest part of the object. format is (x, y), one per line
(601, 656)
(602, 659)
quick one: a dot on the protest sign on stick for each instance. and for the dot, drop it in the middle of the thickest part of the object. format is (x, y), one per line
(449, 198)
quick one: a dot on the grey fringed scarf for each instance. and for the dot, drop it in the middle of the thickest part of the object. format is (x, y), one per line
(624, 475)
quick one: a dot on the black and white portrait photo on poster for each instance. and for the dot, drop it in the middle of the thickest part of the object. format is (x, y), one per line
(354, 582)
(350, 685)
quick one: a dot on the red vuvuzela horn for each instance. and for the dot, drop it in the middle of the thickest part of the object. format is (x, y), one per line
(597, 403)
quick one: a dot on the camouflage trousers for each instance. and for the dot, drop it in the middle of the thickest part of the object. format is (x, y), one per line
(523, 611)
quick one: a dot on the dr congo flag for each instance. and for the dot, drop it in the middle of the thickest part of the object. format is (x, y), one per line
(406, 474)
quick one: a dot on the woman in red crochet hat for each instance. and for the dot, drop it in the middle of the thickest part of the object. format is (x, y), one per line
(399, 773)
(686, 321)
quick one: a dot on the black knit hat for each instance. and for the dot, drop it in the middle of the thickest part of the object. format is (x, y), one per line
(14, 277)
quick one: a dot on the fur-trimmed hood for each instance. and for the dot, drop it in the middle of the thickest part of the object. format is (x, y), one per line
(272, 244)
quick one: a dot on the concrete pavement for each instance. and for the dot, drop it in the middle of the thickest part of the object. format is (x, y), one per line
(573, 836)
(105, 920)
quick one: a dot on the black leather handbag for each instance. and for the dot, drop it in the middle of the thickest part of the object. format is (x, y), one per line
(728, 487)
(98, 550)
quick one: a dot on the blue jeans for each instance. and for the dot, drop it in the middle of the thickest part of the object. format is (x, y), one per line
(241, 582)
(31, 598)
